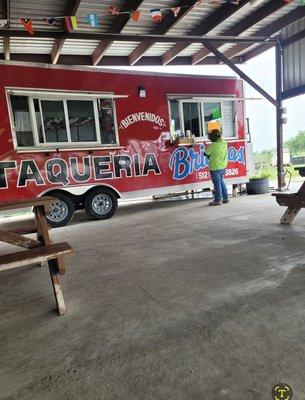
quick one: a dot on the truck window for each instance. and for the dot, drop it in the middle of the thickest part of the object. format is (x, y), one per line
(201, 116)
(192, 118)
(174, 118)
(106, 121)
(41, 121)
(81, 120)
(22, 121)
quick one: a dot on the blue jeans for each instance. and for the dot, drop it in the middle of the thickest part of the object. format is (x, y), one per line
(220, 188)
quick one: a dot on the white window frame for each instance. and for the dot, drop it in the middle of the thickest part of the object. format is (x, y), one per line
(64, 97)
(201, 100)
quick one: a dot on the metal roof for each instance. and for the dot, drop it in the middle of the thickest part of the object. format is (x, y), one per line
(87, 45)
(294, 59)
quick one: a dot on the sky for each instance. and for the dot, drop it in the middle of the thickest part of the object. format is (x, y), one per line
(261, 113)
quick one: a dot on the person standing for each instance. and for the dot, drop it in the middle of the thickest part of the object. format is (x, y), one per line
(217, 154)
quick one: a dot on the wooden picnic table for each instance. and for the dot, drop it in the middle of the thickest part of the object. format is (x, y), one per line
(293, 201)
(38, 251)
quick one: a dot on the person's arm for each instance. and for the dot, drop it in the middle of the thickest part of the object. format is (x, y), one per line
(208, 150)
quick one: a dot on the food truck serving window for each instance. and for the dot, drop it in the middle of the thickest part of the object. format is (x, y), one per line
(201, 116)
(40, 121)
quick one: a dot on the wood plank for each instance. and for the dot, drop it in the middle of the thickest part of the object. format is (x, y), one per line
(246, 23)
(59, 298)
(205, 26)
(23, 230)
(256, 52)
(6, 47)
(26, 203)
(42, 226)
(289, 215)
(270, 29)
(34, 256)
(117, 27)
(162, 28)
(70, 10)
(18, 240)
(44, 237)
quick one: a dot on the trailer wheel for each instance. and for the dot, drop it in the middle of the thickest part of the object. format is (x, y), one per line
(61, 210)
(100, 203)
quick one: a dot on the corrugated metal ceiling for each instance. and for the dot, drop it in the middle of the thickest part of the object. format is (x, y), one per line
(34, 9)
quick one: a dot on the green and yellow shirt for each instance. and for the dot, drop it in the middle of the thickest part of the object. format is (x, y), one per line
(218, 154)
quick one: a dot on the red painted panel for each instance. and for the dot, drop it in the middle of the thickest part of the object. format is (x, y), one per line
(144, 162)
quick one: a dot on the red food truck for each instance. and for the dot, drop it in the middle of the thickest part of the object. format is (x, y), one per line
(90, 136)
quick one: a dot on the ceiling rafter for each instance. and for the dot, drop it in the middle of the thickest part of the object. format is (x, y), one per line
(162, 28)
(209, 23)
(117, 27)
(70, 10)
(6, 11)
(77, 35)
(66, 59)
(270, 29)
(253, 18)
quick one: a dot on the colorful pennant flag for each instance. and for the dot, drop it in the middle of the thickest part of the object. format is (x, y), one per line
(93, 20)
(27, 23)
(135, 15)
(156, 14)
(3, 23)
(176, 11)
(113, 10)
(49, 21)
(71, 23)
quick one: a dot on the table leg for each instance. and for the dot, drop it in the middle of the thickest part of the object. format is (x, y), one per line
(289, 215)
(59, 298)
(56, 267)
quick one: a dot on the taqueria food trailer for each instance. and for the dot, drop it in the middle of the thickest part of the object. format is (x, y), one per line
(90, 136)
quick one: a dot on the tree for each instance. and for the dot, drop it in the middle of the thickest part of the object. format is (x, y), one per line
(296, 145)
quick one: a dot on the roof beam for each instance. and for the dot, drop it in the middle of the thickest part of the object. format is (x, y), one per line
(294, 38)
(240, 73)
(134, 38)
(6, 13)
(270, 29)
(70, 10)
(106, 61)
(246, 23)
(6, 48)
(117, 27)
(162, 28)
(255, 52)
(209, 23)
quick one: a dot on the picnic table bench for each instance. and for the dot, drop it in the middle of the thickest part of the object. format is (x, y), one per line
(293, 201)
(39, 251)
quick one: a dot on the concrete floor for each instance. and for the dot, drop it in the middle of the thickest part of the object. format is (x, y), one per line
(167, 300)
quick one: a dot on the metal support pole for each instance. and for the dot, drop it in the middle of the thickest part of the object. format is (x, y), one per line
(279, 121)
(239, 72)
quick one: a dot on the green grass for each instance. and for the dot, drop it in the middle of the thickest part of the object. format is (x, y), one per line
(271, 171)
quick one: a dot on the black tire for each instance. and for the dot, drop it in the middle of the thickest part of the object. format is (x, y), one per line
(65, 210)
(100, 203)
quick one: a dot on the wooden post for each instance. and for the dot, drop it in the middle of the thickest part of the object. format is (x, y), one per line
(56, 267)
